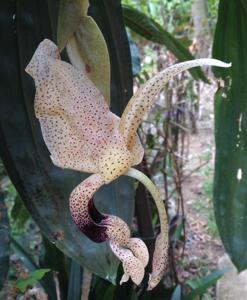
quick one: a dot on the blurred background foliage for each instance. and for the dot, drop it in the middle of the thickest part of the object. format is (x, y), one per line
(37, 261)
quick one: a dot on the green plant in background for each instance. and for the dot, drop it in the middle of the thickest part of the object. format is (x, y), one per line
(32, 279)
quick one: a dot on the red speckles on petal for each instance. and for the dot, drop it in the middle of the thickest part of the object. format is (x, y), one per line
(78, 128)
(88, 68)
(83, 211)
(132, 265)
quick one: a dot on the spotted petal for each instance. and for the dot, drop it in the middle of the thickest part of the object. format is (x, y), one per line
(132, 265)
(142, 101)
(78, 128)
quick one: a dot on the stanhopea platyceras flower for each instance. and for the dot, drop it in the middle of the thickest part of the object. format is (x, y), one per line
(82, 134)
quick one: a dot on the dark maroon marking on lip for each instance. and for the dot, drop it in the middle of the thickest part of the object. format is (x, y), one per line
(93, 212)
(91, 226)
(94, 232)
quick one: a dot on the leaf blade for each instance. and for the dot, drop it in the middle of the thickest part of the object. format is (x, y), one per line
(230, 131)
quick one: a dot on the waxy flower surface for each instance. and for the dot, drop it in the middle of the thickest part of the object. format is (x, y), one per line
(82, 134)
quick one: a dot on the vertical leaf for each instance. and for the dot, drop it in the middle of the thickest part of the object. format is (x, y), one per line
(230, 189)
(75, 281)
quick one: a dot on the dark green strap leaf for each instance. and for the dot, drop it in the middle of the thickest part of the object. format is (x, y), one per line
(44, 188)
(75, 282)
(230, 187)
(4, 241)
(152, 31)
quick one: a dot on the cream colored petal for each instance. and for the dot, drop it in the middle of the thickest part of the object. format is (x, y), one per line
(81, 195)
(77, 126)
(142, 101)
(74, 117)
(137, 152)
(117, 229)
(124, 278)
(160, 261)
(139, 249)
(132, 266)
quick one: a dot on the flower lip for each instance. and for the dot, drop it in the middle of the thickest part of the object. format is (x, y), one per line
(94, 232)
(91, 227)
(93, 212)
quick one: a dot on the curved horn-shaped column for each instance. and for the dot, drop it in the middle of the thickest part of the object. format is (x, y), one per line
(142, 101)
(99, 227)
(160, 257)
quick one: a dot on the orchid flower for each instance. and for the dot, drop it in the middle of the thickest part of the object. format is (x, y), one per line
(82, 134)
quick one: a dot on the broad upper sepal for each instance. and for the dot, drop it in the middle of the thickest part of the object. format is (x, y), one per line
(77, 126)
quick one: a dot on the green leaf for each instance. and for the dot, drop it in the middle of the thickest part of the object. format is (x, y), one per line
(200, 285)
(19, 213)
(230, 192)
(152, 31)
(85, 43)
(47, 282)
(31, 280)
(75, 282)
(44, 188)
(4, 241)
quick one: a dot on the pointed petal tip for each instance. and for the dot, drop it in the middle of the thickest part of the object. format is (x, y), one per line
(224, 64)
(216, 62)
(152, 282)
(44, 49)
(124, 279)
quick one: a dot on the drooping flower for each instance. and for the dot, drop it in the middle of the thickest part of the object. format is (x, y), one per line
(82, 134)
